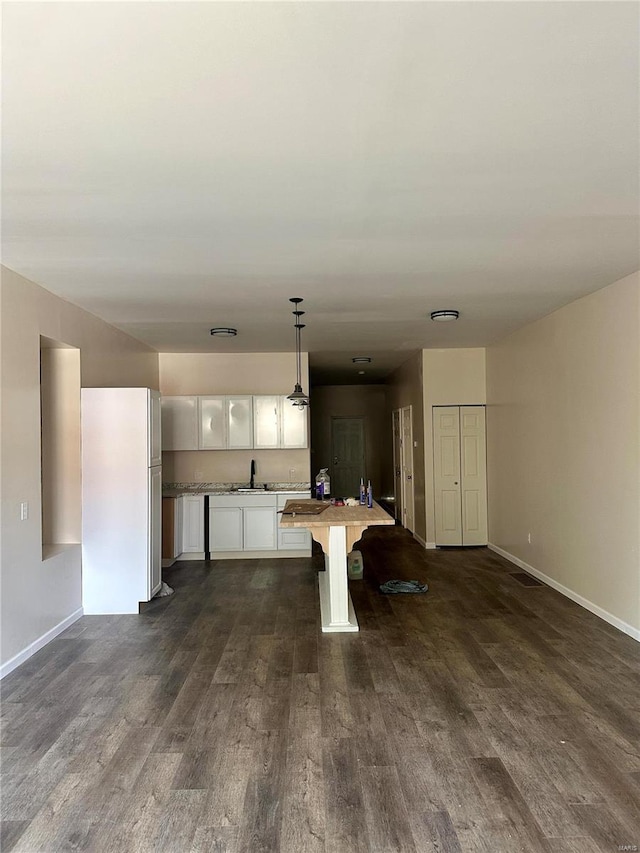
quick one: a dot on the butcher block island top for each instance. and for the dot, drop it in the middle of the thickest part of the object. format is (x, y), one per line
(336, 529)
(349, 516)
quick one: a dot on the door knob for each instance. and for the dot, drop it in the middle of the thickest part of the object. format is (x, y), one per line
(456, 483)
(408, 476)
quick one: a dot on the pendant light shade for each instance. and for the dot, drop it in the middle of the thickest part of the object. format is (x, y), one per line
(297, 396)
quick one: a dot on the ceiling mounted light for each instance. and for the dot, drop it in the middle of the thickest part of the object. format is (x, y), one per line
(445, 316)
(361, 359)
(297, 396)
(223, 332)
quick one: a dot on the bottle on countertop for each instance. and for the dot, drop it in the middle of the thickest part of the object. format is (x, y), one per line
(363, 493)
(369, 495)
(323, 489)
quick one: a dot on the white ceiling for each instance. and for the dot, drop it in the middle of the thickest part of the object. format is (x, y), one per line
(173, 166)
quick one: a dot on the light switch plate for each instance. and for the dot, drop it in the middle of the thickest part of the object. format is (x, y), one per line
(24, 510)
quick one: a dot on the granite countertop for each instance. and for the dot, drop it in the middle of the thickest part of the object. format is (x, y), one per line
(174, 490)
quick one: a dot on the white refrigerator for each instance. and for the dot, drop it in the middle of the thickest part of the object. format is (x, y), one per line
(121, 499)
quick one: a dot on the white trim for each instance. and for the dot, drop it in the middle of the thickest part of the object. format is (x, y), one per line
(42, 641)
(569, 593)
(428, 545)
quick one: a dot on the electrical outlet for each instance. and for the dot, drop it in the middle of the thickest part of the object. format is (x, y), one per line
(197, 476)
(292, 472)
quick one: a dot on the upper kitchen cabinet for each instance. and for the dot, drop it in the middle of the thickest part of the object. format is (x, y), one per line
(293, 425)
(266, 421)
(226, 423)
(212, 423)
(239, 422)
(278, 424)
(180, 423)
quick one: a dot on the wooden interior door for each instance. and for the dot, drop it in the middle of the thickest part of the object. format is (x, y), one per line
(446, 470)
(408, 520)
(397, 464)
(347, 456)
(473, 471)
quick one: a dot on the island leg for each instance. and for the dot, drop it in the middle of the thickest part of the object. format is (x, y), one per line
(336, 607)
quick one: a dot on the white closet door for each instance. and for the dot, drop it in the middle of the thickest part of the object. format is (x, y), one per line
(474, 476)
(446, 465)
(460, 475)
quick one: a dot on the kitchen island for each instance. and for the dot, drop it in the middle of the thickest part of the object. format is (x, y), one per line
(336, 529)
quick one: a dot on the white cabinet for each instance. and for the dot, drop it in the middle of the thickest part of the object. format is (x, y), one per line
(293, 425)
(259, 528)
(154, 575)
(192, 512)
(179, 423)
(239, 422)
(242, 523)
(226, 423)
(212, 423)
(225, 528)
(266, 421)
(277, 423)
(293, 538)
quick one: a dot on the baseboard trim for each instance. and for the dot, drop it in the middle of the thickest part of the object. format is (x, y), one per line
(632, 632)
(38, 644)
(428, 545)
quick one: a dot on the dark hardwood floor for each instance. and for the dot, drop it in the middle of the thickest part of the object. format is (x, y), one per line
(487, 715)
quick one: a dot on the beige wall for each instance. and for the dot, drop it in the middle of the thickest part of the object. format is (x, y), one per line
(563, 429)
(368, 402)
(236, 373)
(406, 388)
(452, 377)
(37, 596)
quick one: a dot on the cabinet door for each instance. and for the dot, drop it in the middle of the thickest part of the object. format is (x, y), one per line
(155, 429)
(239, 415)
(259, 528)
(293, 538)
(293, 425)
(192, 524)
(154, 569)
(212, 423)
(225, 528)
(266, 421)
(179, 423)
(177, 529)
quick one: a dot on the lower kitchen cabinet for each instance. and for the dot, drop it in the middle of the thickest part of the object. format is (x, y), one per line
(293, 538)
(242, 523)
(192, 514)
(225, 528)
(259, 528)
(249, 524)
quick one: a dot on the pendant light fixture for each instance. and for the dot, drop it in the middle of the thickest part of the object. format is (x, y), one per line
(298, 397)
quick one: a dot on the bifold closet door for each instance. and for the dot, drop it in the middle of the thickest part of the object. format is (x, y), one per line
(460, 478)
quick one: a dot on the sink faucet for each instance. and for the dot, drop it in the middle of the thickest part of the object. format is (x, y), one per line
(253, 473)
